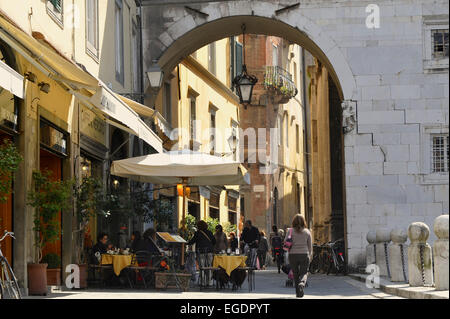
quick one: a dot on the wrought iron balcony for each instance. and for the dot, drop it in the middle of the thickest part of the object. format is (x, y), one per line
(275, 78)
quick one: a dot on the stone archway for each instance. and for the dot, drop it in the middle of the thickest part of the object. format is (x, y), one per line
(175, 32)
(172, 33)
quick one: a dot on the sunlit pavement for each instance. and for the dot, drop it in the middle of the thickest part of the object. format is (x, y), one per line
(269, 284)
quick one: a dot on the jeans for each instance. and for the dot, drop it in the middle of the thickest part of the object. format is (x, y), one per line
(299, 264)
(262, 258)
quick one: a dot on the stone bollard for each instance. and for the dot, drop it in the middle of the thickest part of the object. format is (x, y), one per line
(370, 248)
(440, 253)
(397, 255)
(420, 269)
(383, 237)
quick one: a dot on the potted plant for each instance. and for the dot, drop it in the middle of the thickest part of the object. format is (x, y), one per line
(9, 163)
(53, 269)
(48, 198)
(88, 203)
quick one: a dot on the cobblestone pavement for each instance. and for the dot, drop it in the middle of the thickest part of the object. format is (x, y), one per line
(269, 284)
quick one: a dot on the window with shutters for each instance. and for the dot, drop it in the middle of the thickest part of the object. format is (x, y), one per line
(92, 28)
(119, 41)
(55, 11)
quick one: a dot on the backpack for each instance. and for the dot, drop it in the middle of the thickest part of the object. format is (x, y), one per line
(277, 242)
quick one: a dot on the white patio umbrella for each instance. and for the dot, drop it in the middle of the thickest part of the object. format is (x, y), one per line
(182, 167)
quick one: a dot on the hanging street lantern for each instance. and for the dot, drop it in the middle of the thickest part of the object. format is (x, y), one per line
(155, 76)
(244, 82)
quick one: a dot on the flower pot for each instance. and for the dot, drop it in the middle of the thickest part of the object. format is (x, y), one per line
(54, 277)
(83, 275)
(165, 280)
(37, 279)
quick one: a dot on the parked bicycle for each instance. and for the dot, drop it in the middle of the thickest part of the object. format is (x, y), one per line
(328, 258)
(318, 262)
(9, 288)
(335, 260)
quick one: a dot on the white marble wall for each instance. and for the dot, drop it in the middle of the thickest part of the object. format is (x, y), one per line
(399, 100)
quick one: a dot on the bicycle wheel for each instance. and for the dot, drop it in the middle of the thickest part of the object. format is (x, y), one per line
(9, 286)
(314, 266)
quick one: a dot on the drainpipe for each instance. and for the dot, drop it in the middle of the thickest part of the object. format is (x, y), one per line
(141, 54)
(305, 139)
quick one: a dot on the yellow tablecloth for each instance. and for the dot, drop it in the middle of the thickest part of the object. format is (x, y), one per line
(229, 263)
(119, 262)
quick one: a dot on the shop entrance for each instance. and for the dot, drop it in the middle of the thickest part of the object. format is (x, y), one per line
(52, 163)
(6, 216)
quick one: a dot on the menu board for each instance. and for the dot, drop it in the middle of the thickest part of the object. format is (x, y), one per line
(169, 238)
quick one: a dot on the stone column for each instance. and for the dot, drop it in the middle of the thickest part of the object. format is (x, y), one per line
(420, 271)
(398, 254)
(440, 251)
(383, 237)
(370, 248)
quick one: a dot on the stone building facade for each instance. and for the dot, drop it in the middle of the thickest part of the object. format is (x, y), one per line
(392, 80)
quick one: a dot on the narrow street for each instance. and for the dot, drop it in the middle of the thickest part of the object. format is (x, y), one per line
(269, 284)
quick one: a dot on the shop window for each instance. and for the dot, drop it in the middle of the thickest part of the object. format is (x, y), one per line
(53, 138)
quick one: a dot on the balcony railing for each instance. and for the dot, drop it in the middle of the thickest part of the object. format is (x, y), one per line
(276, 78)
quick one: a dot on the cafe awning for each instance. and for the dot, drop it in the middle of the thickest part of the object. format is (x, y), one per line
(173, 167)
(78, 82)
(11, 80)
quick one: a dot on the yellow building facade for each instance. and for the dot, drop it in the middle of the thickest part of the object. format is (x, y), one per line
(75, 58)
(202, 113)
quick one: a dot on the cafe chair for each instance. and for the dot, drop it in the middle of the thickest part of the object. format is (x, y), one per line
(205, 259)
(98, 273)
(142, 268)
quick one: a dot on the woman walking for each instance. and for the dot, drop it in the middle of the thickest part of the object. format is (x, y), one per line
(263, 248)
(300, 252)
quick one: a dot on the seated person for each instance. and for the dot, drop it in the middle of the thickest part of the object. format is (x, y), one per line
(100, 247)
(150, 238)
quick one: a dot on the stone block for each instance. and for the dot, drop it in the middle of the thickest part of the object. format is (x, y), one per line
(395, 168)
(419, 194)
(369, 169)
(385, 194)
(425, 116)
(405, 91)
(381, 117)
(356, 195)
(413, 168)
(376, 92)
(368, 154)
(397, 153)
(410, 138)
(441, 193)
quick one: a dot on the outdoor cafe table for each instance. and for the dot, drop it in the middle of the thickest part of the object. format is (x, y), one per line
(119, 262)
(229, 263)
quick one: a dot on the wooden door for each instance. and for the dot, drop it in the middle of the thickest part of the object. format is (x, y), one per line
(53, 164)
(6, 217)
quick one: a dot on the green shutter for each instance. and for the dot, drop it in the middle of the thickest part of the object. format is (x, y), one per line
(56, 4)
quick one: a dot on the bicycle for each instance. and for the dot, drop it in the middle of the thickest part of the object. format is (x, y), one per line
(317, 263)
(8, 282)
(335, 258)
(279, 257)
